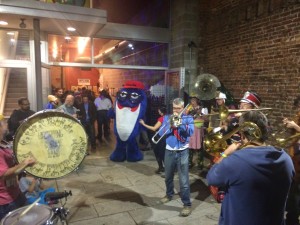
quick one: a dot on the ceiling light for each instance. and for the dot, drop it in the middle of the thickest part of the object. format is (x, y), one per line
(4, 23)
(130, 45)
(67, 38)
(72, 29)
(10, 33)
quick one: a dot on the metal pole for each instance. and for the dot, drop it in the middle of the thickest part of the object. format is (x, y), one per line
(37, 63)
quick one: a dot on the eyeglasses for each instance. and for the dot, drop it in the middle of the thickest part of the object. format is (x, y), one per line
(177, 108)
(132, 97)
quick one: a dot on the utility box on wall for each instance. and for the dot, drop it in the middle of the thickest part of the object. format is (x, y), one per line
(174, 81)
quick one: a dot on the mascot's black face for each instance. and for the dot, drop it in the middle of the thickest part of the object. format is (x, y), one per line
(130, 97)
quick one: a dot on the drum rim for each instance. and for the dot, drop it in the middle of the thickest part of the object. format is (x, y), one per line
(46, 112)
(24, 208)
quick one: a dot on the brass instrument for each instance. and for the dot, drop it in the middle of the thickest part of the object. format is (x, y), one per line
(285, 129)
(206, 86)
(284, 142)
(224, 111)
(215, 143)
(174, 121)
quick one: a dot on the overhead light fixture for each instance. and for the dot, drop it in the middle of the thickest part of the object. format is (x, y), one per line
(3, 23)
(10, 33)
(67, 38)
(22, 24)
(72, 29)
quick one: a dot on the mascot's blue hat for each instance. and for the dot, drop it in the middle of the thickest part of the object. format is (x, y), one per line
(134, 84)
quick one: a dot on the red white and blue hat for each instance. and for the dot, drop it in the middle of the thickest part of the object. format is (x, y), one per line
(251, 98)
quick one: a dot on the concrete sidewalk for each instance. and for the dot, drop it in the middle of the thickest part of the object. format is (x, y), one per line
(105, 192)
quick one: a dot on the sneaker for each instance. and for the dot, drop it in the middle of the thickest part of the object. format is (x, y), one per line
(165, 200)
(186, 211)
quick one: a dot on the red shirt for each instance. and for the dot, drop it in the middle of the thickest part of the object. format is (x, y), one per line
(160, 119)
(9, 189)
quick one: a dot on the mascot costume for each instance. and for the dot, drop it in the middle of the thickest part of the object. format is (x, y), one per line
(130, 107)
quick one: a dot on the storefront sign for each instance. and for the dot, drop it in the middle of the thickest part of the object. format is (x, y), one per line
(84, 82)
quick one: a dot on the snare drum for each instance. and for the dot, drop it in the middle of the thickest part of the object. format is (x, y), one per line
(55, 139)
(37, 215)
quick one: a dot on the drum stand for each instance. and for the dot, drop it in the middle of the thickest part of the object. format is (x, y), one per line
(60, 212)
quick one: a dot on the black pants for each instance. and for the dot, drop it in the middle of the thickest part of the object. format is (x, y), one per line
(159, 152)
(103, 123)
(90, 131)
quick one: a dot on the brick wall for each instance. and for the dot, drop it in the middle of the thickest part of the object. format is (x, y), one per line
(255, 45)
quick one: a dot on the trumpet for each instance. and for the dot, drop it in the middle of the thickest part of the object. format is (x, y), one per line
(174, 121)
(216, 143)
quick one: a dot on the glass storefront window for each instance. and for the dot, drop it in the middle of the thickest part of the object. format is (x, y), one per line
(107, 51)
(69, 49)
(14, 44)
(124, 52)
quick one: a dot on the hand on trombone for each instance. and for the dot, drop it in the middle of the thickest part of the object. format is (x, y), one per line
(229, 150)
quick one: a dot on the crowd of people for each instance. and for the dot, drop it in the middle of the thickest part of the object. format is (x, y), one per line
(248, 179)
(84, 105)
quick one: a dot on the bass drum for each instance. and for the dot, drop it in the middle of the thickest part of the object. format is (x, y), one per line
(55, 139)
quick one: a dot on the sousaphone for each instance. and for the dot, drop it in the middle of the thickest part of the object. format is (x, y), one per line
(206, 86)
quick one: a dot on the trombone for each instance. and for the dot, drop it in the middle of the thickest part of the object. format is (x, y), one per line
(282, 142)
(224, 111)
(174, 121)
(215, 142)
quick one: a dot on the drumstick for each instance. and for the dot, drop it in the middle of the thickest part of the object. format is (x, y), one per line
(26, 211)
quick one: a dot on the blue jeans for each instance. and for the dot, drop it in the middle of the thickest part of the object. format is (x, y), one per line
(178, 160)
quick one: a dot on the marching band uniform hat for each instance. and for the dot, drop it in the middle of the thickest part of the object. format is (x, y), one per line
(134, 84)
(251, 98)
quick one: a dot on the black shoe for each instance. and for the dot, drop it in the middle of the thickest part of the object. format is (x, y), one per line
(160, 170)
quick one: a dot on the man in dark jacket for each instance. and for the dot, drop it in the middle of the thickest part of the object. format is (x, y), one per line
(256, 178)
(88, 116)
(19, 115)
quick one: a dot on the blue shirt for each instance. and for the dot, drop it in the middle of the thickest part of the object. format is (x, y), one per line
(178, 138)
(256, 182)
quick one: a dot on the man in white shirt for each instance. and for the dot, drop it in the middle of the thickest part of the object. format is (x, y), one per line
(103, 104)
